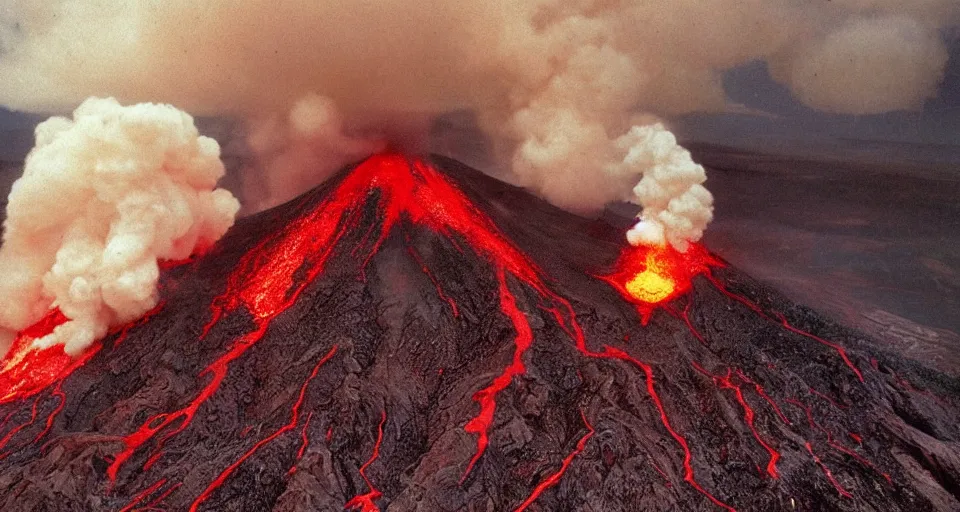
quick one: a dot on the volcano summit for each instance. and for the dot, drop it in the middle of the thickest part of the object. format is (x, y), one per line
(414, 335)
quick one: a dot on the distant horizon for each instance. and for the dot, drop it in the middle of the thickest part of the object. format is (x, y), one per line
(762, 115)
(17, 142)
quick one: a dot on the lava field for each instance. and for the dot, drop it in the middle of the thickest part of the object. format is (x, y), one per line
(415, 336)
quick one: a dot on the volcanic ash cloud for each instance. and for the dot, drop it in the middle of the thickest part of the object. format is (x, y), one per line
(103, 197)
(299, 151)
(565, 90)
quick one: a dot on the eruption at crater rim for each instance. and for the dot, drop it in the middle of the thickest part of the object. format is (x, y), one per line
(651, 276)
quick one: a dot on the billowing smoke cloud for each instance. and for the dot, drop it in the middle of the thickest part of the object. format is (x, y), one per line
(676, 206)
(867, 66)
(568, 90)
(103, 196)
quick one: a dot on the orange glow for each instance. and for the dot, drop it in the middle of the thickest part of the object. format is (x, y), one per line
(653, 285)
(26, 370)
(650, 276)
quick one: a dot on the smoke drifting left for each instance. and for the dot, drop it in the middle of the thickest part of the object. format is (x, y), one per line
(571, 95)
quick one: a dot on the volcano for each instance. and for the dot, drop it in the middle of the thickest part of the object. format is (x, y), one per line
(414, 335)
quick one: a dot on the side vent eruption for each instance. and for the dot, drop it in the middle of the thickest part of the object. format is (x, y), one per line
(653, 275)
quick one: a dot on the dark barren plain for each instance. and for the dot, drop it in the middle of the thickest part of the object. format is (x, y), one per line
(375, 375)
(873, 242)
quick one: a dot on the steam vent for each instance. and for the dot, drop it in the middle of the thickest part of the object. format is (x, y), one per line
(416, 336)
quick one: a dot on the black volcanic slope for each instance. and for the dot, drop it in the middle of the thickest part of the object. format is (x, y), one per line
(369, 373)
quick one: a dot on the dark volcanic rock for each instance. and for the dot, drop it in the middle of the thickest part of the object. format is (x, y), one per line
(397, 351)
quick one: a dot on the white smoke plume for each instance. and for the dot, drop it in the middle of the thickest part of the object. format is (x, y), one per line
(103, 197)
(676, 206)
(567, 90)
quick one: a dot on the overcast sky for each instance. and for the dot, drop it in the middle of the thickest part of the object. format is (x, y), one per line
(780, 117)
(770, 117)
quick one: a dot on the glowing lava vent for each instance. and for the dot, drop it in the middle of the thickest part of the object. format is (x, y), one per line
(26, 370)
(651, 276)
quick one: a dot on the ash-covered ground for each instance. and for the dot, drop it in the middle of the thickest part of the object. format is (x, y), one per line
(872, 241)
(363, 390)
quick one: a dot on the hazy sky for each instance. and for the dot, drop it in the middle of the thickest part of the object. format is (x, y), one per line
(770, 114)
(788, 119)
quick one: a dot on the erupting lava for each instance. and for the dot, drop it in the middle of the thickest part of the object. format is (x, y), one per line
(651, 276)
(271, 276)
(27, 371)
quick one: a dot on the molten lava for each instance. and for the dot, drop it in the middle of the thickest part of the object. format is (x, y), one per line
(27, 370)
(487, 397)
(294, 420)
(271, 276)
(652, 276)
(726, 382)
(782, 320)
(554, 478)
(367, 502)
(835, 445)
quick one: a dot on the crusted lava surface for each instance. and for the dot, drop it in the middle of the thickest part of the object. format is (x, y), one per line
(414, 335)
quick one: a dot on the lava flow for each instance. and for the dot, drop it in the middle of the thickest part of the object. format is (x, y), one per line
(26, 370)
(782, 320)
(835, 445)
(294, 420)
(652, 276)
(270, 278)
(554, 478)
(574, 330)
(366, 502)
(726, 382)
(486, 397)
(132, 506)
